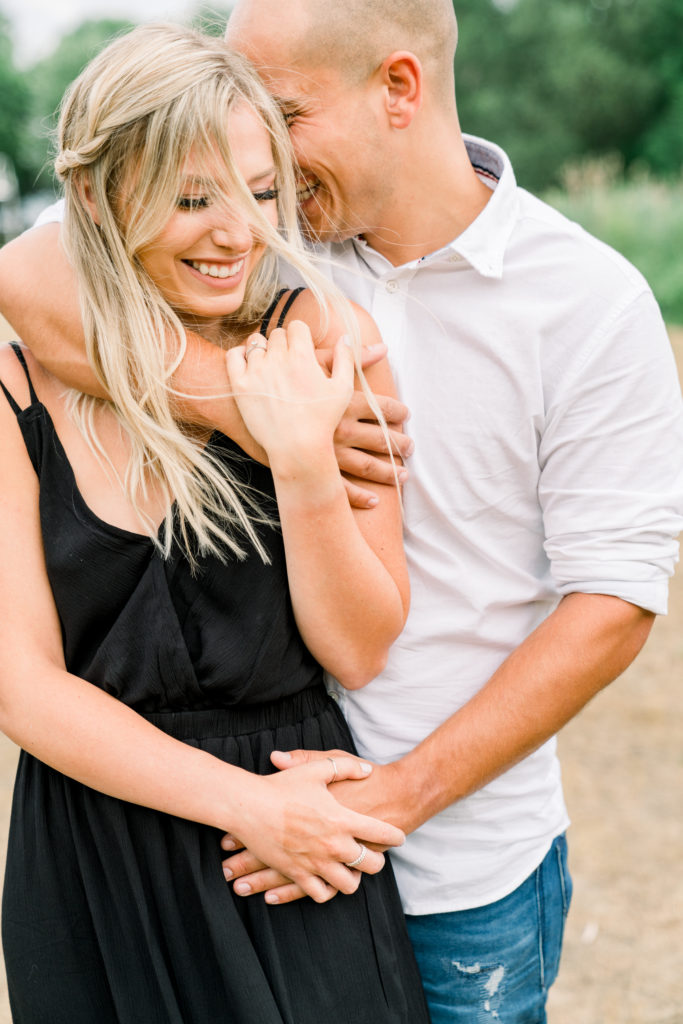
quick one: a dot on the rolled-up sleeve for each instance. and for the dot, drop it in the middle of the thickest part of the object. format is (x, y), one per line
(611, 460)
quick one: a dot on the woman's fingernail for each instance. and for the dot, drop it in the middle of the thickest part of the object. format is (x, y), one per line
(242, 888)
(372, 502)
(346, 340)
(402, 475)
(283, 754)
(272, 897)
(410, 448)
(228, 844)
(365, 767)
(227, 874)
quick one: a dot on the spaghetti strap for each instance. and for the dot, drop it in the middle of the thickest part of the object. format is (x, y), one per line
(14, 405)
(293, 295)
(271, 309)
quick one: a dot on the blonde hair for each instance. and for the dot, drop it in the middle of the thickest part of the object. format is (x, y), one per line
(127, 126)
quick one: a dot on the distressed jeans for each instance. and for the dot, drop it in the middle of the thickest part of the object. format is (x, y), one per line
(495, 964)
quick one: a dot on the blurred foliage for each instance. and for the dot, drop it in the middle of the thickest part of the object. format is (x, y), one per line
(48, 80)
(554, 80)
(210, 18)
(15, 100)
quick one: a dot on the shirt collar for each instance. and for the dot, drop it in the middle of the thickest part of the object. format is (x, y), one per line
(483, 243)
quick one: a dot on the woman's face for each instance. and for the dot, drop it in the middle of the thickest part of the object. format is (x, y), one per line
(203, 258)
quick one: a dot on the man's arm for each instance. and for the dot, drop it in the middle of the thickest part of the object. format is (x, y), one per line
(587, 642)
(39, 297)
(579, 649)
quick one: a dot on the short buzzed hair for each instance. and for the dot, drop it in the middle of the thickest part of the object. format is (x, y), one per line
(355, 36)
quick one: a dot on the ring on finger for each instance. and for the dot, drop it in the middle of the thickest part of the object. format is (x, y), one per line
(359, 859)
(253, 346)
(334, 769)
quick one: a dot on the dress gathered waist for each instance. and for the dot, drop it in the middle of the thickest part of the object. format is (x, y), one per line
(205, 723)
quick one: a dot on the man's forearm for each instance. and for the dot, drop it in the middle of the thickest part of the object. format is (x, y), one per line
(586, 643)
(39, 297)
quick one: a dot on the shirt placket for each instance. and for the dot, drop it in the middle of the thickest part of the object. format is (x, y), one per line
(389, 310)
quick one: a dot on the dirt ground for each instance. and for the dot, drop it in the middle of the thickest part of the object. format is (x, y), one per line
(623, 772)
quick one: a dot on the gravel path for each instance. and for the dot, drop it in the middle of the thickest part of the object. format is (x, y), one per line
(623, 771)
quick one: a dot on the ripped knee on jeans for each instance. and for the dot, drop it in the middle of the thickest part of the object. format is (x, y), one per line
(489, 980)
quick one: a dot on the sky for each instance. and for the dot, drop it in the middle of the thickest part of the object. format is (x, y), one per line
(37, 25)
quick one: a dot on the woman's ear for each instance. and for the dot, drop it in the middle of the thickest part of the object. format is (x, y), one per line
(402, 78)
(85, 191)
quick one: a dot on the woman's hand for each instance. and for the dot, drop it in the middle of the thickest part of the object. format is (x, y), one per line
(289, 404)
(292, 824)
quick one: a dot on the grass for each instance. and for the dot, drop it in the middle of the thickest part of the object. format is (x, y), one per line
(637, 215)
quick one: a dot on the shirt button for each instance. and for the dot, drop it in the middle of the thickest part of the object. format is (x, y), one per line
(392, 286)
(455, 257)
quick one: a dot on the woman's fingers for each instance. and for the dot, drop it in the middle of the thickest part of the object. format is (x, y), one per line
(293, 758)
(251, 876)
(289, 893)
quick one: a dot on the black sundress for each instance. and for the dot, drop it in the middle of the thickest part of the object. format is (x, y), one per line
(118, 914)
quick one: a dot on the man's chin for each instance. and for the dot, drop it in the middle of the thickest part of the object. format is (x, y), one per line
(323, 231)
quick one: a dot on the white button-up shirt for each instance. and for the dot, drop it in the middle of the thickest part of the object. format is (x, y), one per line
(548, 430)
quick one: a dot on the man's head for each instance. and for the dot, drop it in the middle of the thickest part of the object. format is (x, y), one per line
(351, 78)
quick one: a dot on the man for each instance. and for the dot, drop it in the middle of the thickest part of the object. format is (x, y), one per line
(546, 488)
(547, 423)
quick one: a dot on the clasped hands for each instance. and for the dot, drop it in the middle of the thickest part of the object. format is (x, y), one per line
(312, 838)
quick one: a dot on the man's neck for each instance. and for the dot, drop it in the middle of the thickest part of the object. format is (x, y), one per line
(436, 201)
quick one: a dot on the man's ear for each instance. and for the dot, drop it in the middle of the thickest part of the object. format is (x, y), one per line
(402, 78)
(85, 191)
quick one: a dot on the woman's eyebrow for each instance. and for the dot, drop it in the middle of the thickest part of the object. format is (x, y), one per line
(263, 174)
(197, 181)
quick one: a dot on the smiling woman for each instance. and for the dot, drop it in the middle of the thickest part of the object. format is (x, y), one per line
(167, 604)
(205, 255)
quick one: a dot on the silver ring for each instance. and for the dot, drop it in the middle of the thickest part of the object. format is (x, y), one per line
(334, 769)
(254, 345)
(359, 859)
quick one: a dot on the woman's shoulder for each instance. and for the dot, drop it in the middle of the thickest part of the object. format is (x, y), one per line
(327, 322)
(16, 366)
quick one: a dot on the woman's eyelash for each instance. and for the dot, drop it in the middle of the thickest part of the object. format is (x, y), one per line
(192, 202)
(201, 202)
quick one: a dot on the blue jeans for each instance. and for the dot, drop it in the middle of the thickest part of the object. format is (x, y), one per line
(496, 963)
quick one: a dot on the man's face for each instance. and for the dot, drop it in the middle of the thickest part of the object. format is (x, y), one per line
(335, 128)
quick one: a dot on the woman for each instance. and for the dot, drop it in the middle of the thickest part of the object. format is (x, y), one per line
(153, 655)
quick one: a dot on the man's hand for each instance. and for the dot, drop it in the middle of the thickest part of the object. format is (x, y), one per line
(359, 441)
(365, 796)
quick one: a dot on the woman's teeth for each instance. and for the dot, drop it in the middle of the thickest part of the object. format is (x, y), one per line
(217, 269)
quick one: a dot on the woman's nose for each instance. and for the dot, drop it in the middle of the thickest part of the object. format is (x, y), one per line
(233, 230)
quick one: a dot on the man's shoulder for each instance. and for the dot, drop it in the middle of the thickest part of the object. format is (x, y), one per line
(565, 245)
